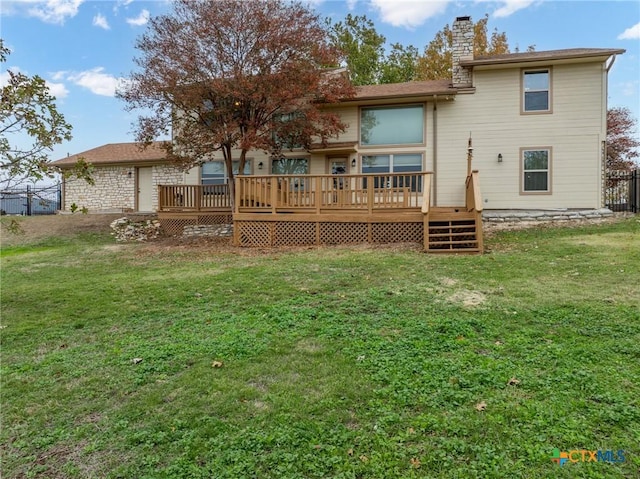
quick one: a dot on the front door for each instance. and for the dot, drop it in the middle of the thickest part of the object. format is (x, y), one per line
(338, 166)
(145, 189)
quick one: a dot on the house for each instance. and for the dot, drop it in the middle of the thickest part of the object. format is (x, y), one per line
(538, 125)
(126, 178)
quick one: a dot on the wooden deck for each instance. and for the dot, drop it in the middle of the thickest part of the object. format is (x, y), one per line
(278, 210)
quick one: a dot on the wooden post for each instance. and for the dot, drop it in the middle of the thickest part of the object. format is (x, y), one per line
(469, 156)
(318, 197)
(199, 193)
(274, 194)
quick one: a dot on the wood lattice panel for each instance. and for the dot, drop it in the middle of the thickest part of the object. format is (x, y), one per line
(218, 219)
(343, 233)
(254, 233)
(397, 232)
(288, 233)
(175, 226)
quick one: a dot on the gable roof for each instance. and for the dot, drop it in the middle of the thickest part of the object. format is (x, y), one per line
(549, 55)
(117, 153)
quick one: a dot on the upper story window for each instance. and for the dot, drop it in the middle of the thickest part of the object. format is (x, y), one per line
(214, 172)
(536, 170)
(536, 91)
(397, 125)
(286, 130)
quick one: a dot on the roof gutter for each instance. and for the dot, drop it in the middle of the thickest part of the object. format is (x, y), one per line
(435, 151)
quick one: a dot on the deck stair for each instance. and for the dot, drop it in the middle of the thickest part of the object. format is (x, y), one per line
(453, 230)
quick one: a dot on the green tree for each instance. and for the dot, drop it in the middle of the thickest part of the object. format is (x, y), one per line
(30, 127)
(435, 63)
(400, 65)
(363, 47)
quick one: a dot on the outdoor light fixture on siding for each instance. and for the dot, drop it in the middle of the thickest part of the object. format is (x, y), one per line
(353, 163)
(129, 173)
(499, 157)
(260, 165)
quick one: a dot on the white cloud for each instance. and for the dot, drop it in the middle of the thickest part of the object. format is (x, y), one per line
(141, 19)
(4, 76)
(510, 7)
(351, 4)
(54, 11)
(57, 89)
(101, 21)
(631, 33)
(408, 13)
(121, 3)
(57, 76)
(96, 81)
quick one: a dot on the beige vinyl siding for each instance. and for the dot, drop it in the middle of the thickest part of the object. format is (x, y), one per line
(349, 116)
(492, 116)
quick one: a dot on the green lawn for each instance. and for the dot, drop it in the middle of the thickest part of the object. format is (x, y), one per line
(127, 361)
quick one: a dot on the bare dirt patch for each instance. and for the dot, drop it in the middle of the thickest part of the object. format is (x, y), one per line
(467, 298)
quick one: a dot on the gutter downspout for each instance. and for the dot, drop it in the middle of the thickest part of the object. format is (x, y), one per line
(435, 150)
(603, 149)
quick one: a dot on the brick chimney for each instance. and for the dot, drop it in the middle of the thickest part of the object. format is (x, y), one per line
(462, 49)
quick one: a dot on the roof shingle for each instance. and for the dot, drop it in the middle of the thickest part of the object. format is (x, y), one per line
(117, 153)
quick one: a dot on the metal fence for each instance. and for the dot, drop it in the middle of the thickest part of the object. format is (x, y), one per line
(31, 201)
(622, 191)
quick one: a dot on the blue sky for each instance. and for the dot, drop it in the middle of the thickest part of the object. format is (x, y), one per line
(84, 48)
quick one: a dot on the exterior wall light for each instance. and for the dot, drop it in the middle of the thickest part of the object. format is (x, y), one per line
(499, 157)
(353, 163)
(260, 165)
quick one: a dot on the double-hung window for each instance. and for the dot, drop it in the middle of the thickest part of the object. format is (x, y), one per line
(536, 91)
(394, 163)
(536, 170)
(291, 166)
(215, 173)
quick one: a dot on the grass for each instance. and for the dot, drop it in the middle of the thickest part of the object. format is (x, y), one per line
(156, 362)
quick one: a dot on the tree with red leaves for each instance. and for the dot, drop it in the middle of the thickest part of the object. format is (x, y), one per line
(622, 143)
(235, 76)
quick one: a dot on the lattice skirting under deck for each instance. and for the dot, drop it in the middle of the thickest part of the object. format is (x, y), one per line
(174, 226)
(288, 233)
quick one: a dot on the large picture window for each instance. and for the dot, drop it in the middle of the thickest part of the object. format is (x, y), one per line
(401, 125)
(215, 173)
(536, 169)
(536, 90)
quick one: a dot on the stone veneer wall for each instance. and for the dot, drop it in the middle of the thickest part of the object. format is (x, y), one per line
(516, 216)
(164, 175)
(114, 189)
(461, 49)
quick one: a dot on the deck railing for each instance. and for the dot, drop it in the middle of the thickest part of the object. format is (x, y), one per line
(326, 193)
(194, 198)
(473, 198)
(301, 193)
